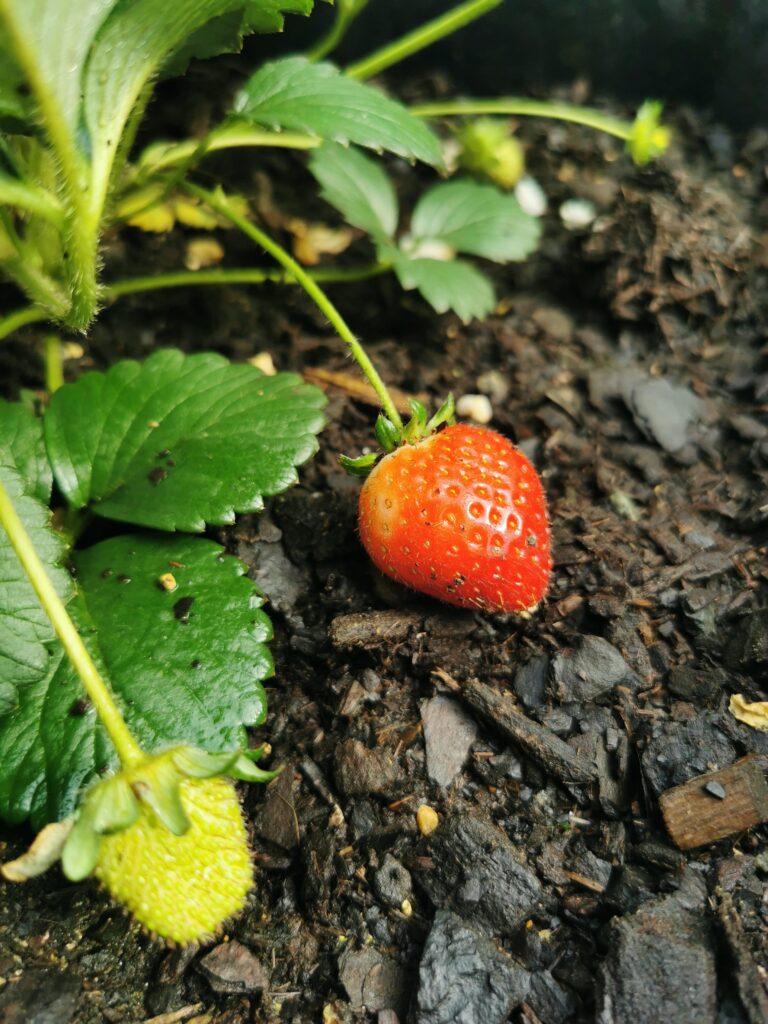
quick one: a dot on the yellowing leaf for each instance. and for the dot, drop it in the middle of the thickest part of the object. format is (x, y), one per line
(155, 219)
(754, 714)
(150, 209)
(191, 213)
(42, 854)
(311, 241)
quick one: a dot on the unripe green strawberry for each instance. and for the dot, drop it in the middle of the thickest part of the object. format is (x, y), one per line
(461, 516)
(182, 887)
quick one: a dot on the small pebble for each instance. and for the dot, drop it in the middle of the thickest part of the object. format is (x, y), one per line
(494, 384)
(427, 819)
(577, 213)
(475, 407)
(407, 908)
(715, 789)
(531, 197)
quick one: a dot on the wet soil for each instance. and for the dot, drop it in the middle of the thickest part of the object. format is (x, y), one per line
(629, 359)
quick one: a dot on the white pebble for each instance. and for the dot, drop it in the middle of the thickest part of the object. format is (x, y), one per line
(475, 407)
(531, 197)
(577, 213)
(494, 384)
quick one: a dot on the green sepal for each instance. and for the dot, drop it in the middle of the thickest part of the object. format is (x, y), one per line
(246, 770)
(445, 414)
(256, 753)
(387, 434)
(649, 137)
(115, 806)
(417, 425)
(199, 764)
(489, 148)
(360, 466)
(81, 850)
(159, 790)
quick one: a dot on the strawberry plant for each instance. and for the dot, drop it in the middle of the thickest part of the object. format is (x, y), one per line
(131, 667)
(169, 619)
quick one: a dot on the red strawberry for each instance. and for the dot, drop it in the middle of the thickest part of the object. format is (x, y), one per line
(460, 515)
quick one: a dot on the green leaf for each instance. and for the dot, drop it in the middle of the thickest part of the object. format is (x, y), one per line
(180, 441)
(358, 188)
(267, 15)
(188, 672)
(54, 38)
(139, 40)
(22, 446)
(448, 284)
(15, 108)
(25, 632)
(475, 219)
(225, 33)
(317, 99)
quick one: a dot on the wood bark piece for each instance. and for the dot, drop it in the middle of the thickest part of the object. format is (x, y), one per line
(372, 629)
(553, 754)
(697, 813)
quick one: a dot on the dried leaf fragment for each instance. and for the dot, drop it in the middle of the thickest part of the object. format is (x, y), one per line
(42, 854)
(754, 714)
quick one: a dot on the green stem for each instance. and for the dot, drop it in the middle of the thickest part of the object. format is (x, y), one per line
(162, 154)
(420, 38)
(234, 275)
(345, 15)
(81, 244)
(127, 748)
(518, 106)
(310, 287)
(53, 355)
(20, 318)
(330, 40)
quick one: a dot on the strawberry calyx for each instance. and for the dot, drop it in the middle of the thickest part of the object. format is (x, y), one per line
(152, 787)
(390, 436)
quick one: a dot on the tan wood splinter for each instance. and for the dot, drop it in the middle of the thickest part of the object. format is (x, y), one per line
(716, 805)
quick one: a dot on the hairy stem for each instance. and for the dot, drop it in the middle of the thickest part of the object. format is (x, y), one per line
(518, 106)
(127, 748)
(310, 287)
(81, 241)
(234, 275)
(420, 38)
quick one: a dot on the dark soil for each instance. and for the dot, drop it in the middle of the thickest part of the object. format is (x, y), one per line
(630, 362)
